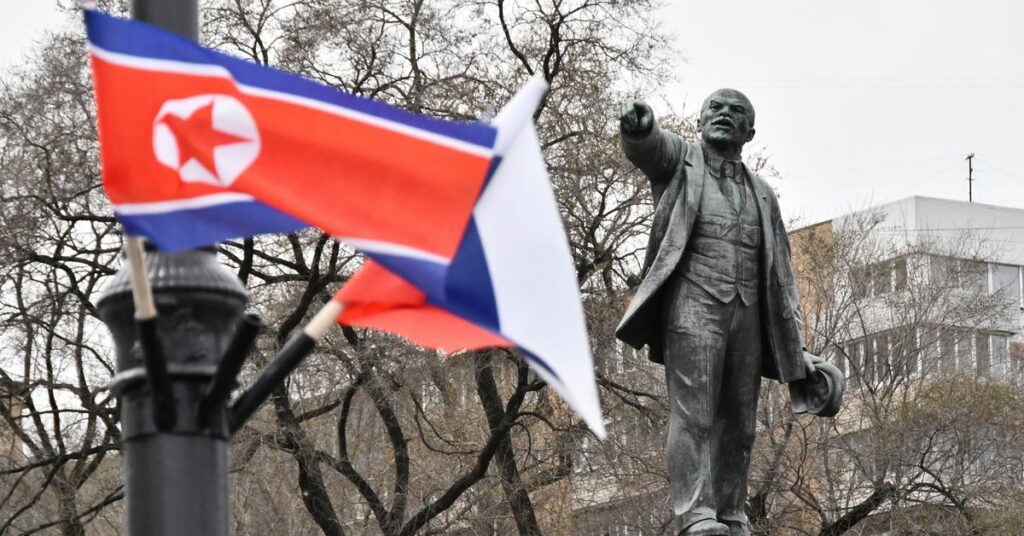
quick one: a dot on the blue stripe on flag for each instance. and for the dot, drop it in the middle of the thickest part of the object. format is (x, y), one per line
(469, 292)
(495, 162)
(140, 39)
(540, 363)
(191, 228)
(428, 276)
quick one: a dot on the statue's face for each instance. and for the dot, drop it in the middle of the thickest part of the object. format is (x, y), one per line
(727, 118)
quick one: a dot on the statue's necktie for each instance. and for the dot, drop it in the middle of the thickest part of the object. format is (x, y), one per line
(730, 181)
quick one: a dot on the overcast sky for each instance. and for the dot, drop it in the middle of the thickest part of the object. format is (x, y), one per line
(869, 101)
(857, 102)
(22, 24)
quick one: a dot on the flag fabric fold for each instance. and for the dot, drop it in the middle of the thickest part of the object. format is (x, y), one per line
(376, 298)
(512, 281)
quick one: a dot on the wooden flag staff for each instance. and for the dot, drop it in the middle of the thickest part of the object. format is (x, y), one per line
(145, 326)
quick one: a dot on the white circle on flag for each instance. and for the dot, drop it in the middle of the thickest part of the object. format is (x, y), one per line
(228, 117)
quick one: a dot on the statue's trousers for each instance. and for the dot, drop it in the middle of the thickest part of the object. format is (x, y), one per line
(712, 365)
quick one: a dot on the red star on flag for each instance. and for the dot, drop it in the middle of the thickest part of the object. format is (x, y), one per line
(197, 137)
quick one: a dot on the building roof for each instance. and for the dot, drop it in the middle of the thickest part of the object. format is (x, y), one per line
(998, 229)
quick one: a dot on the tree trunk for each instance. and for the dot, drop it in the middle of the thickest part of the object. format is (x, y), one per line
(311, 481)
(515, 492)
(511, 482)
(71, 523)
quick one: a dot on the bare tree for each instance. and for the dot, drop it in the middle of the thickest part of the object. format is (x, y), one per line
(57, 243)
(928, 432)
(371, 435)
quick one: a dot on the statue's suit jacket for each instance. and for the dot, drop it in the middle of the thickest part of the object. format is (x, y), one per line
(677, 173)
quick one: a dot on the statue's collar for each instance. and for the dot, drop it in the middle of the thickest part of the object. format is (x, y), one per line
(714, 161)
(711, 160)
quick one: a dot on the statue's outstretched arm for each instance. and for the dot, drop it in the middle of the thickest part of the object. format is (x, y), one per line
(656, 152)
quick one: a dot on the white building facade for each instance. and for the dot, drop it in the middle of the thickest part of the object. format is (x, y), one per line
(917, 245)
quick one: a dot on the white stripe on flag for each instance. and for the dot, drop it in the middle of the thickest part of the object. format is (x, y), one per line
(390, 248)
(160, 207)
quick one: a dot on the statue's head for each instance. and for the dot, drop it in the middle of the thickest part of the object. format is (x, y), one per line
(727, 120)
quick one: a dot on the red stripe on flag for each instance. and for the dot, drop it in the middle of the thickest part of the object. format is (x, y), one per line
(348, 177)
(376, 298)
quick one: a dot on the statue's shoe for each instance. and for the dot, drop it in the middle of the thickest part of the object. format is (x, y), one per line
(707, 527)
(738, 529)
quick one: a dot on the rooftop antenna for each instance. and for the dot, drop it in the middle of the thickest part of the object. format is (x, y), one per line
(970, 178)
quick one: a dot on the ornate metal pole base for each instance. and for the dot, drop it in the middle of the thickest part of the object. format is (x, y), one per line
(176, 476)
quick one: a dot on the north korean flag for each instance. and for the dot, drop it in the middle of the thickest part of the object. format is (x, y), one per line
(197, 147)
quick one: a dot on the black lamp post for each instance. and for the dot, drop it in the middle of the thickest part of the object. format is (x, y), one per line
(177, 365)
(176, 475)
(175, 461)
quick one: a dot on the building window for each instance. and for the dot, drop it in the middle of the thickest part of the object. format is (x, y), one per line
(929, 340)
(881, 279)
(873, 280)
(1006, 281)
(1000, 356)
(941, 271)
(982, 355)
(963, 350)
(859, 282)
(947, 350)
(965, 274)
(914, 355)
(835, 356)
(882, 358)
(973, 275)
(903, 352)
(854, 353)
(868, 369)
(899, 270)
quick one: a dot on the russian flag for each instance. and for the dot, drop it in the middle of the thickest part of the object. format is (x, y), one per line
(197, 147)
(512, 281)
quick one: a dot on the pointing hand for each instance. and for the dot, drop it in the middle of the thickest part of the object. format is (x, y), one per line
(636, 117)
